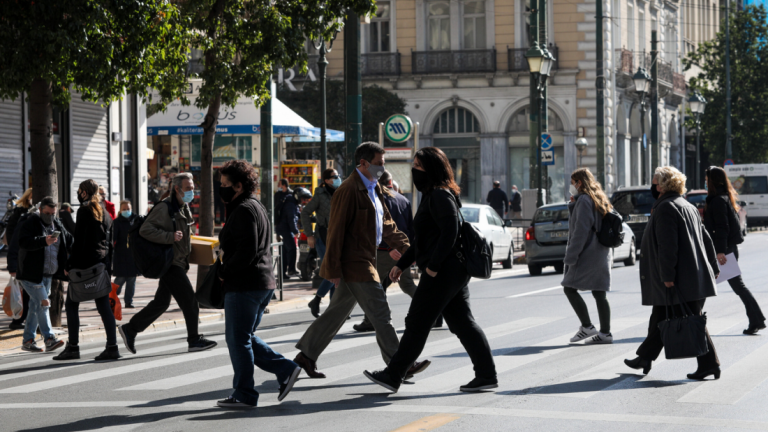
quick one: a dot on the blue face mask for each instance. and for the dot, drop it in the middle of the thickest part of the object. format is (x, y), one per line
(126, 214)
(336, 182)
(189, 196)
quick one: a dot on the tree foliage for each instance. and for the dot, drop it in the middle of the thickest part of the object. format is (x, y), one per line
(749, 92)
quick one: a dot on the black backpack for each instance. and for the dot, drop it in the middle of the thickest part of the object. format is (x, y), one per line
(473, 249)
(611, 232)
(735, 236)
(151, 259)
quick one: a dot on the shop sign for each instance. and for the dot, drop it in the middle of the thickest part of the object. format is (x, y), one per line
(398, 153)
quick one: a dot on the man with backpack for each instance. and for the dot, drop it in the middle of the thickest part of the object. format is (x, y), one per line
(170, 222)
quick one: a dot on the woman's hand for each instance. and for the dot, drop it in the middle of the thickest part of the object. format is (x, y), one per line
(394, 274)
(722, 259)
(431, 273)
(669, 284)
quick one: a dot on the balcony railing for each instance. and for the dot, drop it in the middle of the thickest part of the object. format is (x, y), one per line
(380, 64)
(463, 61)
(516, 61)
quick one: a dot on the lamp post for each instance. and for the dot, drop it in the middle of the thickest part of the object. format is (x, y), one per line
(540, 63)
(322, 65)
(697, 104)
(581, 145)
(642, 87)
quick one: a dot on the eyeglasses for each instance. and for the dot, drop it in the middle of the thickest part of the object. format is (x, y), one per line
(333, 177)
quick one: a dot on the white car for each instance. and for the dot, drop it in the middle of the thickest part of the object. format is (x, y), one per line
(492, 226)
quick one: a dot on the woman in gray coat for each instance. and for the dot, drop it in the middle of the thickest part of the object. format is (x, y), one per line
(587, 262)
(678, 262)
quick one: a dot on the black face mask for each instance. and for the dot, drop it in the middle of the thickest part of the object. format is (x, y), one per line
(81, 199)
(655, 192)
(420, 179)
(227, 193)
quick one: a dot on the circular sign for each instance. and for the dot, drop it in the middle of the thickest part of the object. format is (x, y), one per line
(398, 128)
(728, 162)
(546, 141)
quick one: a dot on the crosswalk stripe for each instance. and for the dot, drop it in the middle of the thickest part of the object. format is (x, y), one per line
(608, 371)
(535, 292)
(504, 363)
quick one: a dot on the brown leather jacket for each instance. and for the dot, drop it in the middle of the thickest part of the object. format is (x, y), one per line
(351, 249)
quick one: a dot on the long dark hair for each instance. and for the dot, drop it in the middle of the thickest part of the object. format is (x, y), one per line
(718, 181)
(438, 169)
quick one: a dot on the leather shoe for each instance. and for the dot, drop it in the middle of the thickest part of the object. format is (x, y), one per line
(418, 367)
(639, 363)
(309, 366)
(703, 374)
(753, 329)
(364, 326)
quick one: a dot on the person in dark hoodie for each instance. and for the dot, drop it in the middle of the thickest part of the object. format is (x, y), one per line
(287, 228)
(123, 267)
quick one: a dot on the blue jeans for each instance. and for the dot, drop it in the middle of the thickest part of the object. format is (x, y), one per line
(325, 285)
(130, 288)
(243, 312)
(38, 314)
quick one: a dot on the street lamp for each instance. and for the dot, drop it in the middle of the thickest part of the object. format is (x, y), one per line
(581, 146)
(642, 87)
(322, 65)
(697, 104)
(540, 62)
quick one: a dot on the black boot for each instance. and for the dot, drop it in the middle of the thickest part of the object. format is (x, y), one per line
(71, 352)
(700, 375)
(109, 353)
(639, 363)
(314, 307)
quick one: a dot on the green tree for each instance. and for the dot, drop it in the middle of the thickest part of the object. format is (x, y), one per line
(102, 49)
(749, 92)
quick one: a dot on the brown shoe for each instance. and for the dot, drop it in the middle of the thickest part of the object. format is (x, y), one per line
(418, 367)
(309, 366)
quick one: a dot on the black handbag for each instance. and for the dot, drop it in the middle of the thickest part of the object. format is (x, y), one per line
(89, 284)
(210, 294)
(684, 336)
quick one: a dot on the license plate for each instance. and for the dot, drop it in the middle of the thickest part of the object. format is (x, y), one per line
(558, 234)
(304, 248)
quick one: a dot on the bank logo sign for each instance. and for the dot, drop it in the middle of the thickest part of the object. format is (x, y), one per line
(398, 128)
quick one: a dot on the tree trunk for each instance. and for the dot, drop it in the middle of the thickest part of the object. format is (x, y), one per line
(206, 177)
(57, 302)
(44, 181)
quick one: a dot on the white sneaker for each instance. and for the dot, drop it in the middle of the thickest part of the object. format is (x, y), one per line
(601, 338)
(584, 333)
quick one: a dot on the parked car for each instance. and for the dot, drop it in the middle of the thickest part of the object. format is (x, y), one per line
(698, 198)
(547, 237)
(634, 205)
(494, 229)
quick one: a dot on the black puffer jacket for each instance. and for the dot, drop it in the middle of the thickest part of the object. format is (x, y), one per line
(722, 223)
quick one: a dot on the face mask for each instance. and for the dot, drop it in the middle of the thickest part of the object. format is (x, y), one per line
(574, 192)
(227, 193)
(336, 183)
(655, 192)
(81, 199)
(47, 218)
(126, 214)
(188, 196)
(376, 170)
(420, 179)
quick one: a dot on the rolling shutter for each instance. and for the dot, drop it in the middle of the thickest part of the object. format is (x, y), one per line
(90, 143)
(11, 150)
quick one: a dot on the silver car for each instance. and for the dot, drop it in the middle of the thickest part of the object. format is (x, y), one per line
(547, 238)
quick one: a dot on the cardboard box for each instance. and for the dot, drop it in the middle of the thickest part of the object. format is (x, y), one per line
(205, 250)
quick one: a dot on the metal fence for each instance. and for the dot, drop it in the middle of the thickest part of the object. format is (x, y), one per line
(277, 265)
(461, 61)
(516, 61)
(380, 64)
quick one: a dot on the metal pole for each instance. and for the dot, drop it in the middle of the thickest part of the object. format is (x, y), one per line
(682, 137)
(267, 154)
(354, 88)
(533, 114)
(381, 134)
(643, 141)
(414, 192)
(600, 86)
(655, 159)
(697, 168)
(543, 110)
(539, 181)
(322, 65)
(728, 146)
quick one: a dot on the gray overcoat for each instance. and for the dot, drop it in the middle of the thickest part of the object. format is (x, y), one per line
(587, 262)
(676, 248)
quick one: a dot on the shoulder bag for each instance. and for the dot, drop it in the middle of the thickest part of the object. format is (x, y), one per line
(89, 284)
(684, 336)
(210, 294)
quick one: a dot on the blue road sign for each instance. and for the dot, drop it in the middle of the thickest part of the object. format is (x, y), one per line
(547, 157)
(728, 162)
(546, 142)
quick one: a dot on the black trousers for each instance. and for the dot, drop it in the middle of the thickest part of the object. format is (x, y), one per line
(289, 251)
(174, 283)
(652, 345)
(447, 293)
(105, 310)
(755, 315)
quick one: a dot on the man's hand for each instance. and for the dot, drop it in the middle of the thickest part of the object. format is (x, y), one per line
(13, 274)
(49, 240)
(394, 274)
(178, 235)
(722, 259)
(669, 284)
(335, 282)
(66, 273)
(395, 254)
(431, 273)
(311, 242)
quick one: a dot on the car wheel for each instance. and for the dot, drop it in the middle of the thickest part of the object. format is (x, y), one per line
(632, 255)
(534, 269)
(507, 264)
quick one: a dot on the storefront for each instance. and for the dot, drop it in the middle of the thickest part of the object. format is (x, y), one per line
(11, 150)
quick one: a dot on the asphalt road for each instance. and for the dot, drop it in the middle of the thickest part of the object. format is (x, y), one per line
(545, 383)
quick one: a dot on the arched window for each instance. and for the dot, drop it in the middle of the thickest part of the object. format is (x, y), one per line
(456, 120)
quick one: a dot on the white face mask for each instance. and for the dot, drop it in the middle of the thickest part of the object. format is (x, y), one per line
(573, 190)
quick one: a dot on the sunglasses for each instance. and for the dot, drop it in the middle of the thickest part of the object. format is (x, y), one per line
(333, 177)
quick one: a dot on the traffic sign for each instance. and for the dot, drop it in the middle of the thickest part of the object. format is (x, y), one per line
(546, 142)
(398, 128)
(548, 157)
(728, 162)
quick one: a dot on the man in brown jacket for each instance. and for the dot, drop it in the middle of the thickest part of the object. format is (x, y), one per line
(359, 221)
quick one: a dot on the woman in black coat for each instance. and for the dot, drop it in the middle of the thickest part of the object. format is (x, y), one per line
(722, 222)
(92, 245)
(123, 268)
(677, 265)
(443, 287)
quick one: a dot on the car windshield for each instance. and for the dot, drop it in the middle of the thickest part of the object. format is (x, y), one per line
(696, 198)
(633, 202)
(750, 185)
(471, 214)
(551, 214)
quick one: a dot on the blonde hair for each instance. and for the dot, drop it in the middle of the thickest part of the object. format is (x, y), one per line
(670, 179)
(592, 187)
(24, 200)
(91, 189)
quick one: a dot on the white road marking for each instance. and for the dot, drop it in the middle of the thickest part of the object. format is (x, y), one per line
(535, 292)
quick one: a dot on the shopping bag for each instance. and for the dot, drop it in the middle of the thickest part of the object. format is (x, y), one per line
(7, 300)
(13, 303)
(114, 301)
(210, 294)
(684, 336)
